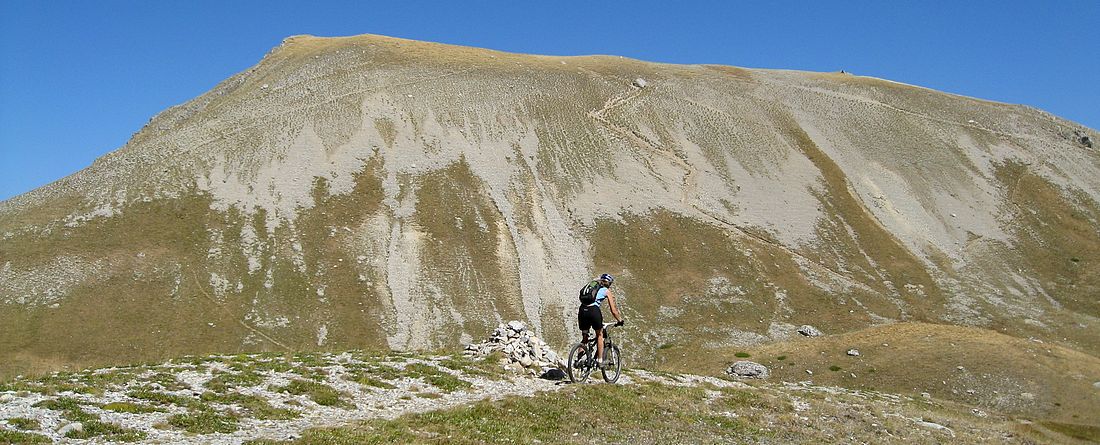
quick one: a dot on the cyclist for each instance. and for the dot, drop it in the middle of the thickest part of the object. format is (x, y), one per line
(589, 314)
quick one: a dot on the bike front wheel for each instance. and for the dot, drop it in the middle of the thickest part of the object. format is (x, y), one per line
(614, 367)
(579, 366)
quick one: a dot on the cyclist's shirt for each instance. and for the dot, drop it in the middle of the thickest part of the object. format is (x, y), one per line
(601, 295)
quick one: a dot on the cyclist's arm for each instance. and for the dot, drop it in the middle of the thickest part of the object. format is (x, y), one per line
(614, 308)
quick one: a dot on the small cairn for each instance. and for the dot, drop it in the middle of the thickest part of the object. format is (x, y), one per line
(522, 351)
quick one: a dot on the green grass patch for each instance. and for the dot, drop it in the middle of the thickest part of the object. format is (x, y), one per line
(132, 408)
(642, 414)
(320, 393)
(835, 368)
(742, 355)
(70, 408)
(483, 367)
(23, 423)
(204, 422)
(106, 431)
(781, 358)
(164, 398)
(167, 381)
(366, 379)
(20, 437)
(59, 404)
(226, 381)
(256, 406)
(433, 376)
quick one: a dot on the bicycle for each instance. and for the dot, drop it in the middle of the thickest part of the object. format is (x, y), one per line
(582, 358)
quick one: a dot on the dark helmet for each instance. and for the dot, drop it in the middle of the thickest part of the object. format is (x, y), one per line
(608, 278)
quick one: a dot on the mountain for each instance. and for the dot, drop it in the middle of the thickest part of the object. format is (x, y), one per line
(379, 193)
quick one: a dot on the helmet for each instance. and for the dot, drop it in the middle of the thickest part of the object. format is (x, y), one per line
(608, 278)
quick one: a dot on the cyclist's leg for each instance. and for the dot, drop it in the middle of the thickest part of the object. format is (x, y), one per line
(583, 324)
(599, 345)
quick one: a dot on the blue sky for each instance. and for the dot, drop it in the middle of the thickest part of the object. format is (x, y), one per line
(77, 78)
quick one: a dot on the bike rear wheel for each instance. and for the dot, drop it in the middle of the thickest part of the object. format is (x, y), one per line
(579, 366)
(614, 367)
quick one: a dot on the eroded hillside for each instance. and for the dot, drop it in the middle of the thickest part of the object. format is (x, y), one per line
(378, 193)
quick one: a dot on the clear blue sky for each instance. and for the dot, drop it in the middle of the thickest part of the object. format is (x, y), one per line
(77, 78)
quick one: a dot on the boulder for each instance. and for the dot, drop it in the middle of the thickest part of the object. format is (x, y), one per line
(517, 326)
(639, 83)
(745, 369)
(75, 426)
(853, 352)
(809, 331)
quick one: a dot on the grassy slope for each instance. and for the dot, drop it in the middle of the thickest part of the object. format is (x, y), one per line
(655, 413)
(912, 358)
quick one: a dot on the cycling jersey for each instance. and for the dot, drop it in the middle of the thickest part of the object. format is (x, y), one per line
(601, 295)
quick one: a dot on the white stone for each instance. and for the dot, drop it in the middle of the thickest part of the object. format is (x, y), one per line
(75, 426)
(747, 369)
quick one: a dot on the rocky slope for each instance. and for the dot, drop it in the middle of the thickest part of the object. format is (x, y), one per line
(378, 193)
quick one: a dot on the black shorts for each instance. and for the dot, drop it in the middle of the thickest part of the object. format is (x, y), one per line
(589, 317)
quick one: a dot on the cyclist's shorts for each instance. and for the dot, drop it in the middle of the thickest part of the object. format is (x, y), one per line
(589, 317)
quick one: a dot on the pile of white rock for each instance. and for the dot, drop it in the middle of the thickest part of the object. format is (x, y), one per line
(522, 351)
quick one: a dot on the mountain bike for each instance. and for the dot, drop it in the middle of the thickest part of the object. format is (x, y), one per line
(582, 358)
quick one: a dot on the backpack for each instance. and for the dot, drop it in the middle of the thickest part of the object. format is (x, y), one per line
(588, 292)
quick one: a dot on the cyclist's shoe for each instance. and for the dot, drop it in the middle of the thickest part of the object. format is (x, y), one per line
(605, 364)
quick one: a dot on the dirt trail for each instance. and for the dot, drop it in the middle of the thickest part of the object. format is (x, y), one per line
(689, 183)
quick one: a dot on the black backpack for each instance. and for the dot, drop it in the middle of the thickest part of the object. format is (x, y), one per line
(588, 292)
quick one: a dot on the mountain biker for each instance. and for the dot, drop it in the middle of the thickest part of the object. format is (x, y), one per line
(590, 316)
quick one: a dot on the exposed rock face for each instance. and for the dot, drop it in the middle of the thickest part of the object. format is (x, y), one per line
(748, 370)
(370, 192)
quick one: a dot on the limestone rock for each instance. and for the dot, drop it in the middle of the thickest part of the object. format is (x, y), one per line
(853, 352)
(639, 83)
(521, 348)
(809, 331)
(748, 370)
(75, 426)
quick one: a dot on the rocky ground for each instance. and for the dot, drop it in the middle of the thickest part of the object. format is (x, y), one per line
(360, 397)
(232, 399)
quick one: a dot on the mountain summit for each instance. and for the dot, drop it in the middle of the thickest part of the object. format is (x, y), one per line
(380, 193)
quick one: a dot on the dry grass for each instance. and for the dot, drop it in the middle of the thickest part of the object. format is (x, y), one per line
(912, 358)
